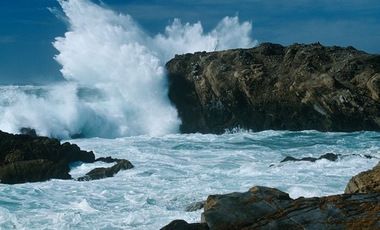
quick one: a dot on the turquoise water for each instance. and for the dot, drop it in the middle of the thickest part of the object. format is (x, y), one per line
(176, 170)
(115, 93)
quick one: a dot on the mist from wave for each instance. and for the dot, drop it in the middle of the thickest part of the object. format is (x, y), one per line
(115, 76)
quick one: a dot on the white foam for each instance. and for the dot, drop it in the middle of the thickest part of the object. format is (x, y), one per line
(174, 171)
(109, 54)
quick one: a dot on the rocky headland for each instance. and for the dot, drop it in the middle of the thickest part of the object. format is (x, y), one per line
(29, 158)
(297, 87)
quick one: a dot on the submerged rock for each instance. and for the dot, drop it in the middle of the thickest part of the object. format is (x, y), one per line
(327, 156)
(297, 87)
(183, 225)
(100, 173)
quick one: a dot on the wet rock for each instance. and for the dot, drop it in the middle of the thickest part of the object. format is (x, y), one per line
(28, 131)
(27, 158)
(327, 156)
(183, 225)
(195, 206)
(297, 87)
(269, 208)
(365, 182)
(100, 173)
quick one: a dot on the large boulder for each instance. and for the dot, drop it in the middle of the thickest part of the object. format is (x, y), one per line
(27, 158)
(365, 182)
(269, 208)
(297, 87)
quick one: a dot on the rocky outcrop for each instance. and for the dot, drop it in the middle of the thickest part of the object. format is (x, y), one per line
(365, 182)
(298, 87)
(100, 173)
(269, 208)
(327, 156)
(28, 158)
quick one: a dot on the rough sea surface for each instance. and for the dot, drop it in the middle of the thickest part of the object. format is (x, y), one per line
(174, 171)
(114, 93)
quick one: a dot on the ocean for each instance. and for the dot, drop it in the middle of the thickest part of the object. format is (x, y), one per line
(114, 96)
(176, 170)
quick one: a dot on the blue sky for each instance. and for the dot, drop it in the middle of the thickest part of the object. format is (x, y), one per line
(28, 28)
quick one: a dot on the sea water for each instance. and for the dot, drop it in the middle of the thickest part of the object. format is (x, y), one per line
(114, 94)
(173, 171)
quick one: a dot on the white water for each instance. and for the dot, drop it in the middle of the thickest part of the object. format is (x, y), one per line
(116, 83)
(116, 93)
(176, 170)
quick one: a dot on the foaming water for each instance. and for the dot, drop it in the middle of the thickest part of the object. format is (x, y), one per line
(174, 171)
(115, 77)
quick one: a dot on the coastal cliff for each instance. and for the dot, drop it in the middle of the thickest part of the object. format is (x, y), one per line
(298, 87)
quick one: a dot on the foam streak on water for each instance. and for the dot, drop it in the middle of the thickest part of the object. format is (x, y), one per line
(175, 170)
(115, 77)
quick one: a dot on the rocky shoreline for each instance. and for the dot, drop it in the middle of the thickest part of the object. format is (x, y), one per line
(29, 158)
(270, 208)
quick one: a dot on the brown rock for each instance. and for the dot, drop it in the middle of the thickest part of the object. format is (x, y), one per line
(27, 158)
(365, 182)
(297, 87)
(268, 208)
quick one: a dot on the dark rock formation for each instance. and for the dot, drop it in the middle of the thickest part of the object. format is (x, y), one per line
(100, 173)
(327, 156)
(183, 225)
(365, 182)
(298, 87)
(27, 158)
(269, 208)
(28, 131)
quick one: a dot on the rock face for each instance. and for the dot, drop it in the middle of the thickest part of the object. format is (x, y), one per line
(269, 208)
(28, 158)
(298, 87)
(365, 182)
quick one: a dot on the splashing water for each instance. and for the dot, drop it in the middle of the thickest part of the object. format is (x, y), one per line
(116, 83)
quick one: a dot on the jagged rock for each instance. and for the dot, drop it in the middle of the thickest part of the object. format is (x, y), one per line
(183, 225)
(28, 131)
(298, 87)
(195, 206)
(100, 173)
(365, 182)
(327, 156)
(269, 208)
(26, 158)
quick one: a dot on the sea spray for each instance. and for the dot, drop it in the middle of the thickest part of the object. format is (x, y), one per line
(115, 77)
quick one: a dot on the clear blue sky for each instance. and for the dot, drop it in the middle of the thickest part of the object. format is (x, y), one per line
(28, 28)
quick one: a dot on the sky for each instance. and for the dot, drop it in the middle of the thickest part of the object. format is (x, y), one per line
(28, 28)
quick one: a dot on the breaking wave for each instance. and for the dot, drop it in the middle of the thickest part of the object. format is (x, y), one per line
(115, 76)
